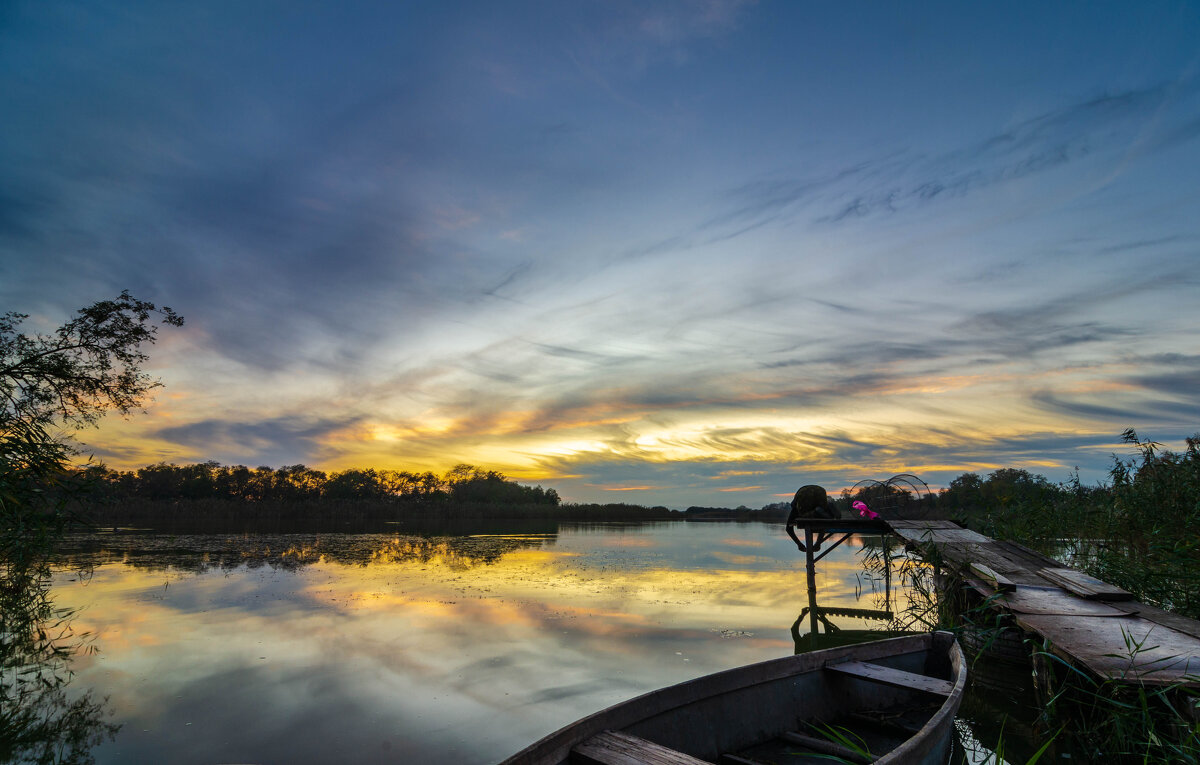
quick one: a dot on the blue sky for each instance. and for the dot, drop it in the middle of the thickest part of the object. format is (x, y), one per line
(679, 253)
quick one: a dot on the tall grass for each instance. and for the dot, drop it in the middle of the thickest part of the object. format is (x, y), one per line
(1113, 720)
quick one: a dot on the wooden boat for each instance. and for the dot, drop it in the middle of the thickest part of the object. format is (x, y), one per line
(893, 701)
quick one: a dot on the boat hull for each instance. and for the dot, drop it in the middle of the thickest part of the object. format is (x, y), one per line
(734, 710)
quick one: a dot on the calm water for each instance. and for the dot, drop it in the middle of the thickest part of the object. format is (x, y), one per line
(405, 647)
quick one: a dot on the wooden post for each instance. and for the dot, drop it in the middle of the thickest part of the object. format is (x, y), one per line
(810, 566)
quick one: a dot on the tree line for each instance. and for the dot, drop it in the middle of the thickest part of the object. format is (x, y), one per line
(301, 484)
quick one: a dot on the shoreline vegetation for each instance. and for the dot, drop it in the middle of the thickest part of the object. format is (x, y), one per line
(211, 494)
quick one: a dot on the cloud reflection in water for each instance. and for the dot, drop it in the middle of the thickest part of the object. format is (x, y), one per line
(393, 647)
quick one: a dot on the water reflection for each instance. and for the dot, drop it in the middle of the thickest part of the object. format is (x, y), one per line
(887, 572)
(447, 648)
(226, 552)
(41, 720)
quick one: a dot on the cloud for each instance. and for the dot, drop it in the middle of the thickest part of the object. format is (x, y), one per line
(1125, 411)
(649, 238)
(1184, 383)
(640, 34)
(1094, 129)
(273, 442)
(832, 459)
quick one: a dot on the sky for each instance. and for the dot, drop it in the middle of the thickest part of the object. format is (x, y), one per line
(694, 252)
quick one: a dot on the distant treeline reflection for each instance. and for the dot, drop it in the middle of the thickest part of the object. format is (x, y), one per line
(225, 552)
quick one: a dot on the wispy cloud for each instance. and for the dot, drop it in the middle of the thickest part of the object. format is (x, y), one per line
(668, 245)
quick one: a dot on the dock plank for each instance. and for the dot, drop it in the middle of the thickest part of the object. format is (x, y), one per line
(1167, 619)
(1165, 657)
(924, 534)
(1032, 558)
(962, 554)
(901, 524)
(994, 558)
(1051, 601)
(994, 578)
(1087, 587)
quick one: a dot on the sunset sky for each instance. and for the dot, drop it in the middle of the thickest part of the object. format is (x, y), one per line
(658, 252)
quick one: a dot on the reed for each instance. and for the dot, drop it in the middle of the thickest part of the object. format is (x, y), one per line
(1110, 719)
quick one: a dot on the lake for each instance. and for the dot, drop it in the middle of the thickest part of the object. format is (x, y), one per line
(409, 645)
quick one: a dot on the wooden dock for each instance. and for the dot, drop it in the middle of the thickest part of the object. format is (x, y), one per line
(1085, 621)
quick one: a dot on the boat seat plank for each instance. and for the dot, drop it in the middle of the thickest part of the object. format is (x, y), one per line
(895, 677)
(823, 746)
(1083, 585)
(614, 747)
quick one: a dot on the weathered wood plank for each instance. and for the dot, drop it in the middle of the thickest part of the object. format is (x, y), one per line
(994, 578)
(939, 535)
(1084, 586)
(822, 746)
(1167, 619)
(1048, 601)
(1106, 647)
(878, 673)
(900, 524)
(1031, 558)
(613, 747)
(987, 555)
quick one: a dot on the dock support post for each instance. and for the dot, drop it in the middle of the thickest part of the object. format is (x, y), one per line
(810, 566)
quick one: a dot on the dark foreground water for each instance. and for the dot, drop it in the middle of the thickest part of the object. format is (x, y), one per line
(442, 648)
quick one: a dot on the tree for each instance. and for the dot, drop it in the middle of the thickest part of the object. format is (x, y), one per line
(1002, 489)
(964, 492)
(71, 377)
(355, 484)
(87, 366)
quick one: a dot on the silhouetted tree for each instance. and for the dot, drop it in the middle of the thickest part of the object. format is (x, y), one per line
(355, 484)
(1004, 488)
(86, 367)
(70, 377)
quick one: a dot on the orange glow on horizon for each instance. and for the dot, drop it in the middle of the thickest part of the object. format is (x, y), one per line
(908, 426)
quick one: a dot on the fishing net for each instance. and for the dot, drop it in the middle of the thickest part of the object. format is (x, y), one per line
(903, 497)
